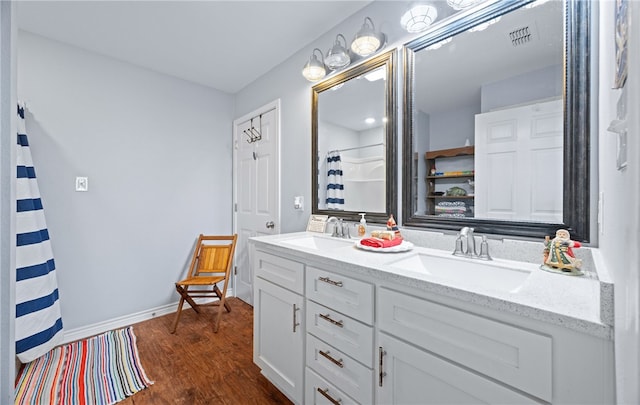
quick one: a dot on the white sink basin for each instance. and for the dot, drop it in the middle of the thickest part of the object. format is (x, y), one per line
(319, 242)
(502, 275)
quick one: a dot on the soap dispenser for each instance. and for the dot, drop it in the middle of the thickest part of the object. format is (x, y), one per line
(362, 228)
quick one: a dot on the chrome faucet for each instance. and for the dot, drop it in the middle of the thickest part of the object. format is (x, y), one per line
(337, 227)
(467, 233)
(340, 228)
(466, 245)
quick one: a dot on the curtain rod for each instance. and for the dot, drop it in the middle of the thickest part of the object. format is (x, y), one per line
(357, 147)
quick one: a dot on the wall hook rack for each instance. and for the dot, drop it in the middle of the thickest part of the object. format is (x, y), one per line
(252, 133)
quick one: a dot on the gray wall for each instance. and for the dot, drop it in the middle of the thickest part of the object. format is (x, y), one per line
(157, 152)
(619, 229)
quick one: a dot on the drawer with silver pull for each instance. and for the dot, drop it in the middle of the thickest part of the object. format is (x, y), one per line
(343, 294)
(336, 367)
(340, 331)
(318, 391)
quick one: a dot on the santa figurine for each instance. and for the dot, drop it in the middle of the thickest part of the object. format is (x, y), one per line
(560, 252)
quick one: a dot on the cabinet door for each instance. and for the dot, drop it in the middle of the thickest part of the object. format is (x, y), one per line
(407, 375)
(278, 335)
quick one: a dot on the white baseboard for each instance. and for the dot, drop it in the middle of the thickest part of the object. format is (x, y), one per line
(84, 332)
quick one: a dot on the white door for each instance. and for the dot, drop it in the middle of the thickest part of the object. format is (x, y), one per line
(256, 187)
(518, 158)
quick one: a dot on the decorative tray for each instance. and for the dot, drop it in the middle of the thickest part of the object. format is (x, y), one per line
(403, 247)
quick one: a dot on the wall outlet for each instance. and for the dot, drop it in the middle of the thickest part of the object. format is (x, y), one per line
(82, 184)
(298, 202)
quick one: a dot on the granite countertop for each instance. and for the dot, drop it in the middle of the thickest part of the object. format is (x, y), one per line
(584, 304)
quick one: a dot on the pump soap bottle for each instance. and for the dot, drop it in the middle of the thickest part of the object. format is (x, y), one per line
(362, 228)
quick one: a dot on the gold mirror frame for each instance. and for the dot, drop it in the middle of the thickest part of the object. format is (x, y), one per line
(388, 60)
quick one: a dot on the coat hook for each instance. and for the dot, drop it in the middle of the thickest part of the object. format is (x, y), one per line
(255, 157)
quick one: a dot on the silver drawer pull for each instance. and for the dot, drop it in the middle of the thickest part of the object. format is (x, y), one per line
(327, 356)
(325, 393)
(295, 319)
(381, 373)
(329, 281)
(327, 318)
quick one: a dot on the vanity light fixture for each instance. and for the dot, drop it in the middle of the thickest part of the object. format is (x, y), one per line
(367, 40)
(337, 57)
(462, 4)
(419, 18)
(314, 70)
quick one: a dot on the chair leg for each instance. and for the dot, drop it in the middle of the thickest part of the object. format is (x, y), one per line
(178, 313)
(222, 304)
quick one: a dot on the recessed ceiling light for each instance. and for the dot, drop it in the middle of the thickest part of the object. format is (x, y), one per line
(370, 120)
(439, 44)
(376, 74)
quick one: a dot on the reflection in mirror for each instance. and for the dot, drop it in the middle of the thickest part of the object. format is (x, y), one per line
(353, 139)
(489, 143)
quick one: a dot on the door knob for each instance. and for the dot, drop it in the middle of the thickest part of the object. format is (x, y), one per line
(270, 224)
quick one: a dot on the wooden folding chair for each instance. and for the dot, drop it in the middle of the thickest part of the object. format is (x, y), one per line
(210, 265)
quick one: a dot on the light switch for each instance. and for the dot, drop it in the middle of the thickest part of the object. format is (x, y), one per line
(82, 184)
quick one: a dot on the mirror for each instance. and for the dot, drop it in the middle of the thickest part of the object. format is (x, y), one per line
(353, 138)
(496, 115)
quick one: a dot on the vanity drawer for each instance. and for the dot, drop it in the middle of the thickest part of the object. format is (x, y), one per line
(340, 331)
(337, 367)
(343, 294)
(278, 270)
(507, 353)
(320, 392)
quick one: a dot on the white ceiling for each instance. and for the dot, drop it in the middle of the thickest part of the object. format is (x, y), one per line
(221, 44)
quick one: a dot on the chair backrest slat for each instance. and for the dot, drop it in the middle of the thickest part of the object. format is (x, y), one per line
(213, 258)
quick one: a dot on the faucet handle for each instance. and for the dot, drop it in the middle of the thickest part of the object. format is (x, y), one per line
(458, 249)
(484, 249)
(346, 233)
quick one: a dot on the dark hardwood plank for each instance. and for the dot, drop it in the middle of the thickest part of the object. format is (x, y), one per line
(197, 366)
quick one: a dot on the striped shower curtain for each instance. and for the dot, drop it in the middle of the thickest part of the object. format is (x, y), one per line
(38, 324)
(335, 187)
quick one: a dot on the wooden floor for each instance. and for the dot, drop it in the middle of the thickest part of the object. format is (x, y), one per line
(197, 366)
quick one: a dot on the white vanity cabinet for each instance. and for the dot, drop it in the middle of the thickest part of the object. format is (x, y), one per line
(372, 336)
(278, 322)
(339, 321)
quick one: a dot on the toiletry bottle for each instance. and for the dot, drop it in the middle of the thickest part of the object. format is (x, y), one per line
(362, 228)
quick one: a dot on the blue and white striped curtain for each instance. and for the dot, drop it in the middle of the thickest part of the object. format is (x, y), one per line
(38, 324)
(335, 187)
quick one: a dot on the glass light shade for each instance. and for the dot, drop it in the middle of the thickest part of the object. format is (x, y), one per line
(337, 57)
(462, 4)
(419, 18)
(314, 70)
(367, 41)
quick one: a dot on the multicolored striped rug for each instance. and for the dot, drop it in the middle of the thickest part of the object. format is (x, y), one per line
(101, 370)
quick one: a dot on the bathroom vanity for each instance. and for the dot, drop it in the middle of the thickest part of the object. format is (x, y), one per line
(337, 324)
